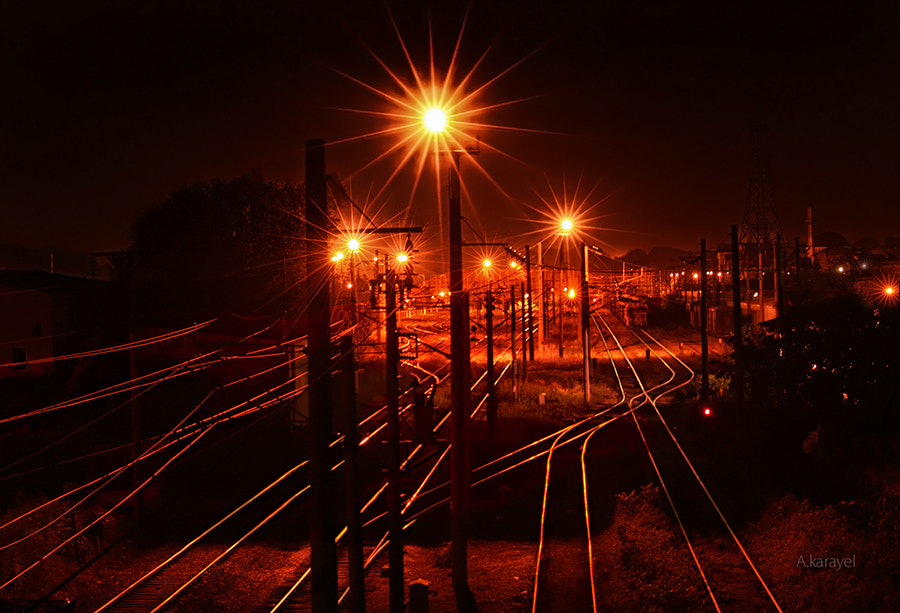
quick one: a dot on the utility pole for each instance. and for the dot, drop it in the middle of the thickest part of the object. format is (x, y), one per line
(779, 279)
(585, 323)
(542, 292)
(738, 316)
(395, 517)
(512, 338)
(704, 340)
(559, 317)
(525, 332)
(352, 481)
(492, 392)
(530, 298)
(376, 289)
(322, 531)
(459, 397)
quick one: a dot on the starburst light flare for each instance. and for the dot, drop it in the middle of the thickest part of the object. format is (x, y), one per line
(431, 110)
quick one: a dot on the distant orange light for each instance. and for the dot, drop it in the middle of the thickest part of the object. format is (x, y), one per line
(571, 293)
(889, 290)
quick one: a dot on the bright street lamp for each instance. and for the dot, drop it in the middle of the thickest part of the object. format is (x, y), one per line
(566, 225)
(353, 245)
(435, 120)
(402, 257)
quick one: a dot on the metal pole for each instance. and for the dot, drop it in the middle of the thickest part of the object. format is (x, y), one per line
(738, 316)
(585, 324)
(354, 316)
(512, 338)
(779, 279)
(704, 340)
(776, 272)
(352, 481)
(530, 298)
(492, 392)
(396, 584)
(762, 302)
(377, 289)
(559, 319)
(524, 335)
(322, 532)
(459, 395)
(541, 292)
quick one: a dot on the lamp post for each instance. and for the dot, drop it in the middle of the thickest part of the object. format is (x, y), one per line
(489, 329)
(459, 392)
(566, 225)
(566, 231)
(435, 121)
(585, 323)
(353, 249)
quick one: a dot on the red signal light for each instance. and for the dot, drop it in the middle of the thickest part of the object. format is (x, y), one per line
(707, 411)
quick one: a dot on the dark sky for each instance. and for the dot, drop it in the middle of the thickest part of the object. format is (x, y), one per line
(109, 106)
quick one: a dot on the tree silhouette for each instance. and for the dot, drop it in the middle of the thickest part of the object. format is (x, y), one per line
(215, 248)
(829, 361)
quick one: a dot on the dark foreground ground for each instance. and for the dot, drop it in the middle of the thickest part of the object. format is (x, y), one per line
(792, 512)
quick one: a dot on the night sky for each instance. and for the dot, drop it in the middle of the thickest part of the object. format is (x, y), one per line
(109, 106)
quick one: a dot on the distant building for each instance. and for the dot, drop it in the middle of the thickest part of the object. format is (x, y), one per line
(44, 315)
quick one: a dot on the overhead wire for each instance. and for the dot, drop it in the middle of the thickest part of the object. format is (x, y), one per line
(111, 477)
(100, 417)
(116, 348)
(134, 491)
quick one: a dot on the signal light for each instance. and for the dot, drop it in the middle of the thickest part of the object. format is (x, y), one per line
(707, 411)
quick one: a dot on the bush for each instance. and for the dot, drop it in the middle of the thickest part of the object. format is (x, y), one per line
(657, 572)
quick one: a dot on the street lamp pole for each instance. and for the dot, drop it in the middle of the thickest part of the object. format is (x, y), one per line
(489, 329)
(459, 394)
(530, 297)
(585, 324)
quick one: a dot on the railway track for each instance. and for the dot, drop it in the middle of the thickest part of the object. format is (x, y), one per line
(564, 577)
(160, 588)
(690, 501)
